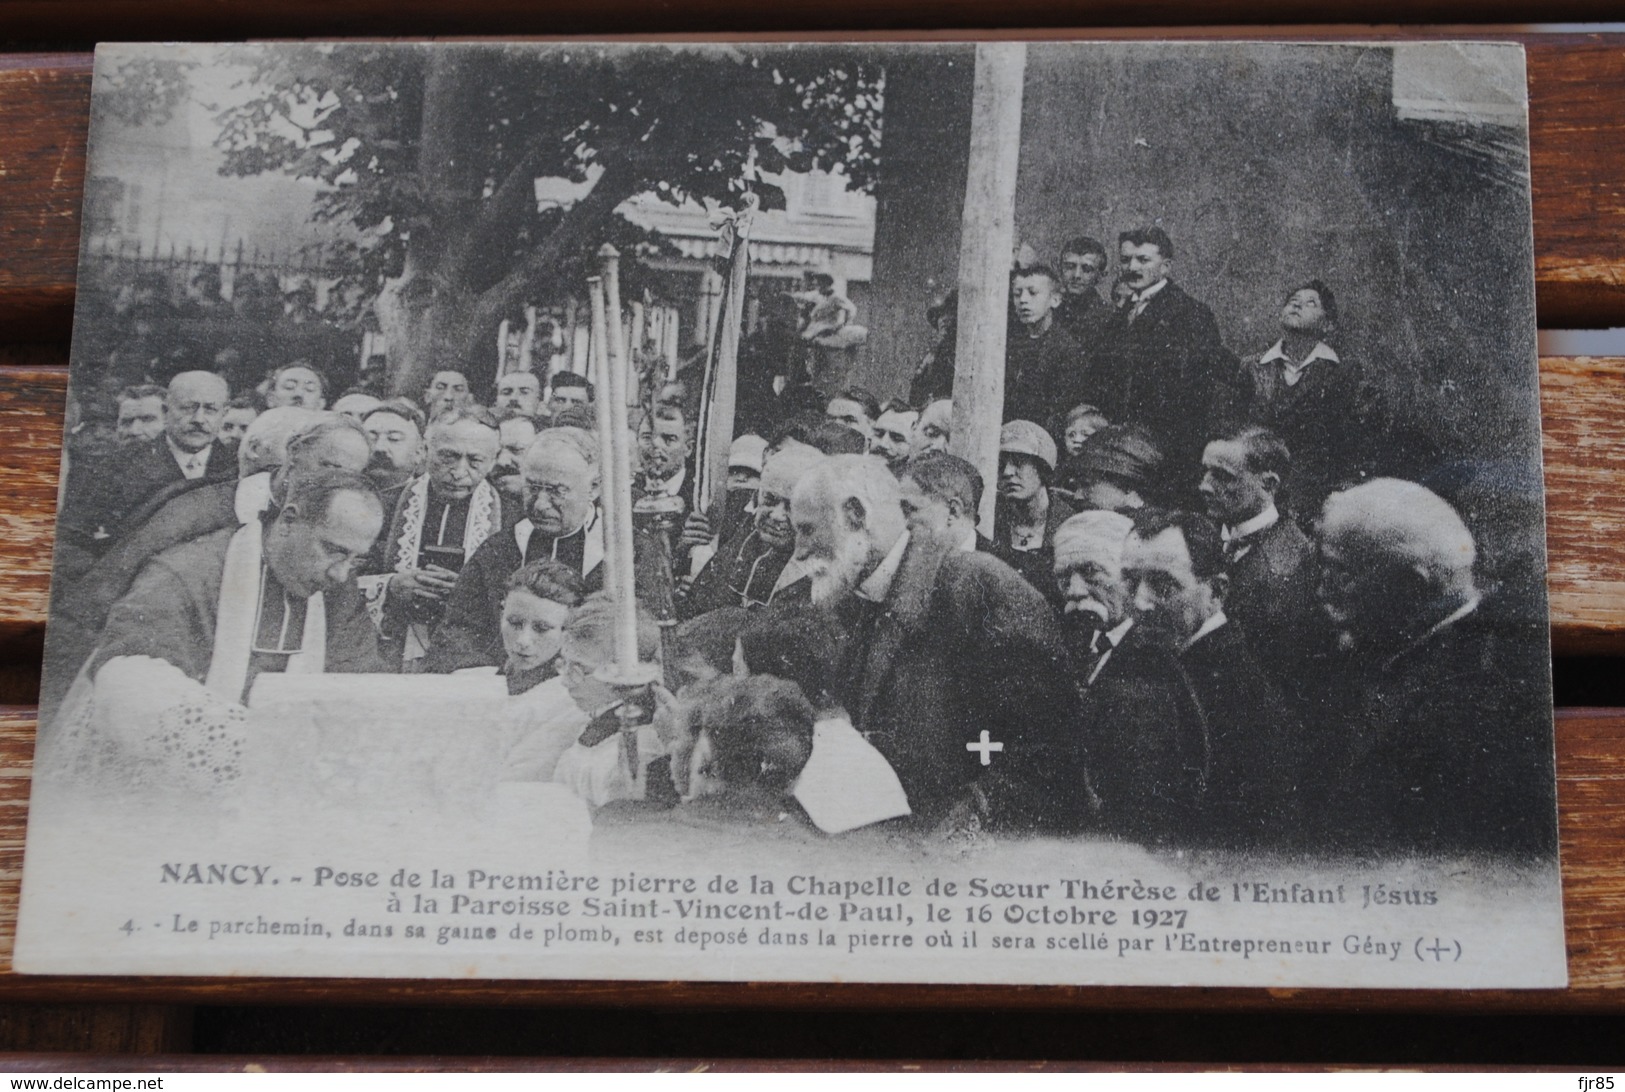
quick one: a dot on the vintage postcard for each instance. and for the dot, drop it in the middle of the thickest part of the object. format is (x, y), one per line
(992, 513)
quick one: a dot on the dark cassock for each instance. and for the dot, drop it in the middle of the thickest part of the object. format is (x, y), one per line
(1157, 366)
(1443, 746)
(426, 529)
(746, 572)
(161, 697)
(469, 633)
(1272, 567)
(957, 672)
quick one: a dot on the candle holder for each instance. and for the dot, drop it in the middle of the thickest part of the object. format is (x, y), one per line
(632, 683)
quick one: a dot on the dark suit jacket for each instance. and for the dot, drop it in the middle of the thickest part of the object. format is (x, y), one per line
(1255, 745)
(105, 493)
(1160, 371)
(1272, 595)
(1044, 376)
(1084, 315)
(1143, 749)
(962, 644)
(1446, 748)
(1319, 417)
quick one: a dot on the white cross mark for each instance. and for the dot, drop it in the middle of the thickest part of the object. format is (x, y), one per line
(986, 746)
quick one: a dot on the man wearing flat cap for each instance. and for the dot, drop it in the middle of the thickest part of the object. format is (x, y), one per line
(1027, 513)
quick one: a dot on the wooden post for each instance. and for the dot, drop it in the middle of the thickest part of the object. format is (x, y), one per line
(987, 233)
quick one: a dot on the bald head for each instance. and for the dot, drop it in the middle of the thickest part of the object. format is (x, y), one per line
(265, 444)
(848, 515)
(194, 407)
(1395, 557)
(781, 474)
(560, 471)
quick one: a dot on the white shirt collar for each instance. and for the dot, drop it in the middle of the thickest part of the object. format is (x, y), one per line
(1146, 293)
(877, 585)
(1321, 351)
(1292, 370)
(1218, 619)
(1114, 637)
(192, 463)
(967, 541)
(1266, 519)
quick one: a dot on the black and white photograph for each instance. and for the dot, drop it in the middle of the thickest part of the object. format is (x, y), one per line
(1006, 512)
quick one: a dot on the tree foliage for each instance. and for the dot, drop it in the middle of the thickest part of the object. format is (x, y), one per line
(429, 155)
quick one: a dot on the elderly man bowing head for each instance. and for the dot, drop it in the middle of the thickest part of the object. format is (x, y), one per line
(956, 669)
(1444, 748)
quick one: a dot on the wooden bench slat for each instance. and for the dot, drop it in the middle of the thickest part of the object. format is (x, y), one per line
(1577, 122)
(1591, 804)
(1585, 461)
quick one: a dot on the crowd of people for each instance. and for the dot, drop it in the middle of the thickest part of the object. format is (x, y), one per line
(1201, 620)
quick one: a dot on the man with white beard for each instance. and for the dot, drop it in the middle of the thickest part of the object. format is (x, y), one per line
(955, 668)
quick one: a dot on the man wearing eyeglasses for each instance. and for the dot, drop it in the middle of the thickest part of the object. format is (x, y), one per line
(442, 517)
(560, 521)
(754, 568)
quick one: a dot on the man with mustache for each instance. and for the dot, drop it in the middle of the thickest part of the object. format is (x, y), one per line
(442, 517)
(103, 494)
(955, 668)
(1141, 744)
(395, 437)
(515, 432)
(754, 568)
(1161, 360)
(518, 393)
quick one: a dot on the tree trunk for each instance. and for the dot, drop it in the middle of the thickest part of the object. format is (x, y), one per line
(420, 313)
(550, 268)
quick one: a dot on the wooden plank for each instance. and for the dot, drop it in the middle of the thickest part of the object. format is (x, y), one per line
(1577, 121)
(197, 20)
(46, 104)
(1585, 458)
(123, 1029)
(1591, 800)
